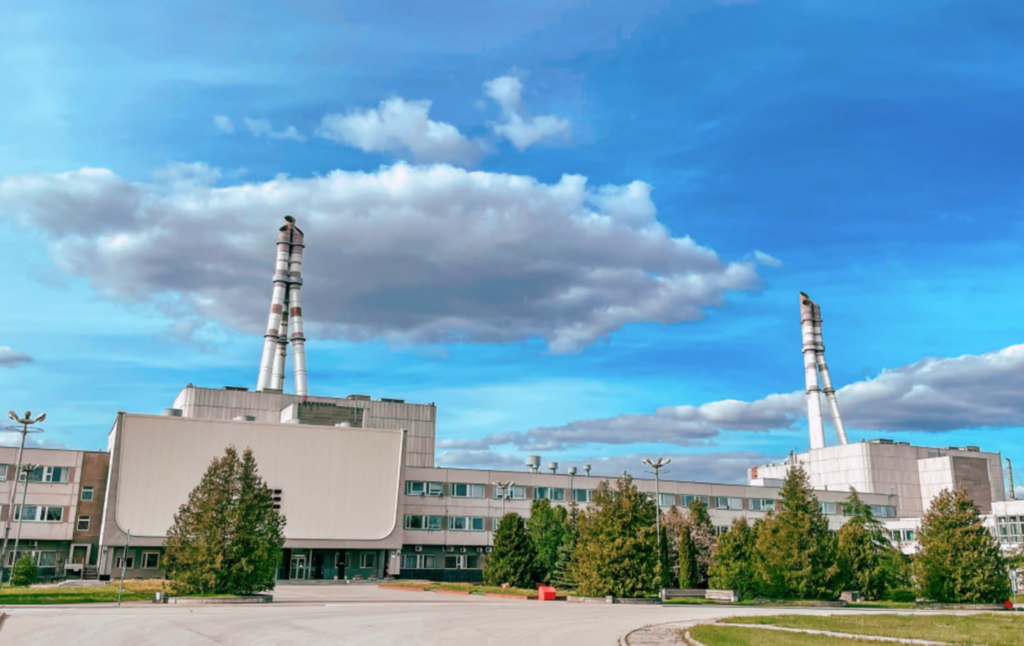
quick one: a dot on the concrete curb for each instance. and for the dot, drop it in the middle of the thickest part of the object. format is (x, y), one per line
(462, 592)
(829, 633)
(199, 601)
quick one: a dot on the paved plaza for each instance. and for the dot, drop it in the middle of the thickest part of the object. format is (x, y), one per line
(360, 615)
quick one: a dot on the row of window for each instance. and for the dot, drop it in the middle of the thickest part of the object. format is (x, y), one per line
(1010, 529)
(450, 562)
(902, 535)
(39, 474)
(38, 513)
(150, 561)
(435, 523)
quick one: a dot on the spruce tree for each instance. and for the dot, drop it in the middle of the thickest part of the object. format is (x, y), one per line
(733, 568)
(664, 565)
(617, 551)
(561, 577)
(959, 561)
(794, 551)
(696, 546)
(227, 538)
(514, 557)
(673, 521)
(862, 550)
(548, 527)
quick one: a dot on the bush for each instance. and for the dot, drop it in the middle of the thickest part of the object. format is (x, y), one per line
(901, 595)
(514, 557)
(733, 568)
(24, 571)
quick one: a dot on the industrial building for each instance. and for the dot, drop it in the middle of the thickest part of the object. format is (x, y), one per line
(356, 481)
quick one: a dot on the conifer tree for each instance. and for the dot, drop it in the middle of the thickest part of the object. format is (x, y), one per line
(794, 550)
(514, 557)
(673, 521)
(733, 567)
(561, 577)
(227, 538)
(696, 546)
(959, 561)
(862, 550)
(549, 526)
(664, 566)
(617, 552)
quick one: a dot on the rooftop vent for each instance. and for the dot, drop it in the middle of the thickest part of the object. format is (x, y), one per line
(238, 388)
(553, 467)
(903, 444)
(245, 418)
(362, 398)
(172, 412)
(533, 461)
(391, 401)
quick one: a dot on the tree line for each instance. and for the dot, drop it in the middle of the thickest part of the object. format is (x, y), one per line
(612, 548)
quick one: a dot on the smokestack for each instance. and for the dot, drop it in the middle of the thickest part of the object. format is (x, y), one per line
(826, 381)
(1009, 472)
(285, 304)
(817, 431)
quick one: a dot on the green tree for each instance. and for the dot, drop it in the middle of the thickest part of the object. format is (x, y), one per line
(562, 577)
(514, 557)
(862, 550)
(24, 571)
(664, 565)
(227, 538)
(959, 561)
(673, 521)
(549, 527)
(794, 550)
(733, 567)
(617, 551)
(696, 546)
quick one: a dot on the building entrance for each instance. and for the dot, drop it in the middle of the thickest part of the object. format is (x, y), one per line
(298, 570)
(317, 568)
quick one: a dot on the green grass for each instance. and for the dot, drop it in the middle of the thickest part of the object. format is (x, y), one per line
(993, 629)
(133, 591)
(734, 636)
(472, 588)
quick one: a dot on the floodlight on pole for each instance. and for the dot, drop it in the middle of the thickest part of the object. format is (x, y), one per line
(572, 473)
(25, 423)
(505, 488)
(657, 465)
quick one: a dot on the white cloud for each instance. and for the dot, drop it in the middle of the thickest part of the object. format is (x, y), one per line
(223, 124)
(408, 254)
(11, 359)
(263, 128)
(182, 175)
(396, 126)
(523, 132)
(931, 395)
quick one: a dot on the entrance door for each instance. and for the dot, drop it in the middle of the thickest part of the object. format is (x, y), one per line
(298, 566)
(317, 570)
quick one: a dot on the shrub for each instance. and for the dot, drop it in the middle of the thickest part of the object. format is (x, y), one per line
(733, 568)
(514, 557)
(902, 595)
(24, 571)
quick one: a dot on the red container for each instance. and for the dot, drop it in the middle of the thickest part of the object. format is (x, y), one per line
(545, 593)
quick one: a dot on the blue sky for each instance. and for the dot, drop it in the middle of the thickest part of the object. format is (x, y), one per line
(873, 150)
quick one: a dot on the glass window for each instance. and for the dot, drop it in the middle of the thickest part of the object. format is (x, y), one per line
(761, 504)
(30, 512)
(129, 564)
(466, 523)
(414, 522)
(463, 490)
(515, 492)
(87, 493)
(54, 514)
(368, 560)
(688, 499)
(3, 472)
(409, 561)
(429, 562)
(883, 511)
(35, 476)
(724, 502)
(583, 495)
(434, 523)
(477, 524)
(667, 500)
(429, 489)
(83, 523)
(721, 529)
(452, 562)
(550, 493)
(55, 474)
(828, 508)
(46, 559)
(472, 562)
(151, 560)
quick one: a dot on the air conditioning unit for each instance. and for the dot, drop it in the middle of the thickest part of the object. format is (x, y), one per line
(488, 549)
(480, 550)
(418, 548)
(449, 548)
(462, 549)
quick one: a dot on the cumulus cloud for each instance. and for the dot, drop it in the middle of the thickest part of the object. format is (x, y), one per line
(408, 254)
(931, 395)
(184, 175)
(396, 126)
(522, 131)
(11, 359)
(223, 124)
(699, 467)
(263, 128)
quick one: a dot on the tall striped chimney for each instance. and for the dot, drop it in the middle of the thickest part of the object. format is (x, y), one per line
(826, 380)
(285, 313)
(814, 365)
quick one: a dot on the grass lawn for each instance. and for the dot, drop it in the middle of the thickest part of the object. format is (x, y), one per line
(993, 629)
(736, 636)
(472, 588)
(133, 591)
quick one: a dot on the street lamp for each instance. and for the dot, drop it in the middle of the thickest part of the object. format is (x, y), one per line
(505, 487)
(26, 469)
(572, 472)
(25, 422)
(657, 465)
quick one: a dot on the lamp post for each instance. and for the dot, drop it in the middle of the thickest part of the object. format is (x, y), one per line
(572, 496)
(27, 469)
(25, 422)
(657, 465)
(504, 486)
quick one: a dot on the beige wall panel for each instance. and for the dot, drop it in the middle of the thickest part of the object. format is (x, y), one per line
(337, 483)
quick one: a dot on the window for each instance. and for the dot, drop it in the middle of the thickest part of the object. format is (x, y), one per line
(466, 523)
(549, 493)
(688, 499)
(455, 562)
(908, 535)
(410, 561)
(87, 493)
(430, 489)
(419, 561)
(583, 495)
(428, 523)
(36, 513)
(724, 502)
(30, 512)
(83, 523)
(46, 559)
(883, 511)
(47, 474)
(427, 562)
(150, 560)
(667, 500)
(460, 490)
(1010, 529)
(828, 508)
(761, 504)
(368, 560)
(3, 472)
(721, 529)
(515, 492)
(128, 565)
(54, 514)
